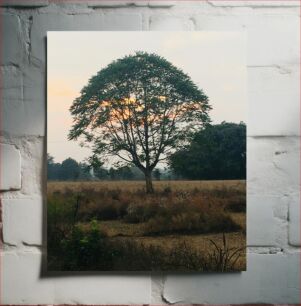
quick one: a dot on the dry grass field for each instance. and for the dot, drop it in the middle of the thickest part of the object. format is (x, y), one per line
(235, 185)
(115, 225)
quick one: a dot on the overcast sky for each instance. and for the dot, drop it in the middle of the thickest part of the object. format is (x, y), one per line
(216, 62)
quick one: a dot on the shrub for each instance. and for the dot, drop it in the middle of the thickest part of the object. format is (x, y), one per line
(85, 250)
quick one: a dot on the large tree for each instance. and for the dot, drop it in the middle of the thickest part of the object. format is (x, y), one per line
(216, 152)
(139, 108)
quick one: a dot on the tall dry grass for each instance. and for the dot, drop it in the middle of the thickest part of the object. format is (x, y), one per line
(176, 208)
(238, 185)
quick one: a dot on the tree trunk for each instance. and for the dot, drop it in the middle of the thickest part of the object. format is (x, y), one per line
(149, 182)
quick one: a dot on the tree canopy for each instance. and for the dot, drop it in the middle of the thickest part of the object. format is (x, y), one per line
(69, 169)
(216, 152)
(139, 108)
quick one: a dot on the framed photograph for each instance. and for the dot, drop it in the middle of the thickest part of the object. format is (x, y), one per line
(146, 142)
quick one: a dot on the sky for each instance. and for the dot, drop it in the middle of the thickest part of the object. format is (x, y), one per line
(215, 61)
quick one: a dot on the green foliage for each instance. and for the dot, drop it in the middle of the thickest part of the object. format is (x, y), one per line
(216, 152)
(69, 169)
(81, 249)
(53, 169)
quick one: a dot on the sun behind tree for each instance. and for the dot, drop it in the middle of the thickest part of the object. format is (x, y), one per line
(139, 108)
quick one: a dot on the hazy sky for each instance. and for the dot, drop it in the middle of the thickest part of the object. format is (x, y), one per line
(216, 62)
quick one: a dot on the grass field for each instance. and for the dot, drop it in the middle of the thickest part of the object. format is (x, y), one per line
(232, 185)
(115, 225)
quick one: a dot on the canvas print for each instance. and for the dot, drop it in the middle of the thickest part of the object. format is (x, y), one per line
(146, 151)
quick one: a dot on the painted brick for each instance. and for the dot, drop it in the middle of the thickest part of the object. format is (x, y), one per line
(113, 3)
(22, 283)
(250, 3)
(169, 23)
(13, 47)
(269, 35)
(33, 166)
(10, 160)
(34, 80)
(294, 220)
(24, 3)
(22, 221)
(11, 85)
(12, 96)
(277, 90)
(23, 100)
(273, 165)
(125, 3)
(268, 279)
(21, 280)
(88, 22)
(161, 3)
(261, 219)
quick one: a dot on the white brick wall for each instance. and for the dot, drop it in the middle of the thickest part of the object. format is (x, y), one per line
(10, 167)
(273, 34)
(24, 284)
(23, 221)
(270, 278)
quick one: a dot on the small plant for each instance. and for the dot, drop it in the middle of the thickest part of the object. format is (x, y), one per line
(84, 248)
(223, 258)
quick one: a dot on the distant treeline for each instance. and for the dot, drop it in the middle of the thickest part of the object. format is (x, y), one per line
(71, 170)
(216, 152)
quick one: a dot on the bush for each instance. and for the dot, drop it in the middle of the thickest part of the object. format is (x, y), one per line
(85, 250)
